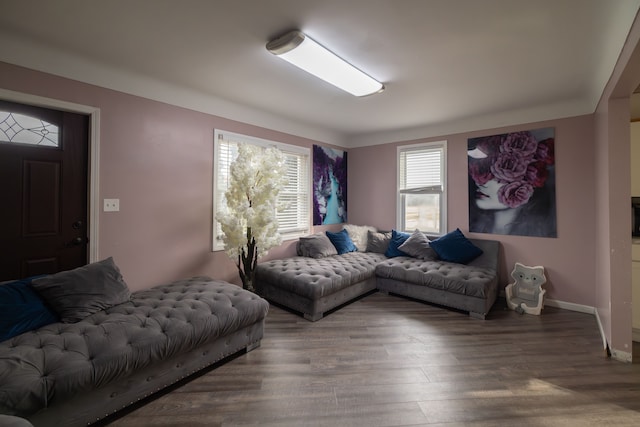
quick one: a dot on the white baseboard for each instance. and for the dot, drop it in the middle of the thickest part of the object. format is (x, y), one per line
(570, 306)
(635, 334)
(605, 345)
(622, 356)
(582, 309)
(564, 305)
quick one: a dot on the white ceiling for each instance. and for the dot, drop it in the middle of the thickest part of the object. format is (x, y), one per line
(448, 65)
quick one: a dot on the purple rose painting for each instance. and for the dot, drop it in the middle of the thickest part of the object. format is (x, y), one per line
(329, 186)
(512, 183)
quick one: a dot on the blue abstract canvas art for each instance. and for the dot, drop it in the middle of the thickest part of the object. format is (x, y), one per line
(329, 186)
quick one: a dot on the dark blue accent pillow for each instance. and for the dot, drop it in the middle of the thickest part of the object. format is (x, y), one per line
(342, 241)
(455, 247)
(397, 239)
(22, 309)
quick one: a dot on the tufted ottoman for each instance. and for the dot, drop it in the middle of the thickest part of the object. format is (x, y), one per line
(314, 286)
(74, 374)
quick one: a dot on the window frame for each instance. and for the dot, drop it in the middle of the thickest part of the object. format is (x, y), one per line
(219, 136)
(400, 214)
(44, 128)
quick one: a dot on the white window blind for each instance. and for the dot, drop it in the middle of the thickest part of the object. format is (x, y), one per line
(293, 220)
(421, 187)
(421, 170)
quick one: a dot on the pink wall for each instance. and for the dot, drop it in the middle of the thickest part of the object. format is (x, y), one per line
(158, 160)
(613, 275)
(568, 259)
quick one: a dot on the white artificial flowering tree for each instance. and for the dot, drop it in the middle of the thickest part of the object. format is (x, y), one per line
(248, 220)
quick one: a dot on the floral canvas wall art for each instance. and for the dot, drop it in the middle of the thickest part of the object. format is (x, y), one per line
(329, 186)
(512, 183)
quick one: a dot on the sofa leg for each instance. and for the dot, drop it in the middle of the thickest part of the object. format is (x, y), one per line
(476, 315)
(313, 317)
(253, 346)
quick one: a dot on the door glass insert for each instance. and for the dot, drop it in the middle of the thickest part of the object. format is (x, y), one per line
(22, 129)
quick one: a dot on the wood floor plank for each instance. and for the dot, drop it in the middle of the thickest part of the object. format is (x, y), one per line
(390, 361)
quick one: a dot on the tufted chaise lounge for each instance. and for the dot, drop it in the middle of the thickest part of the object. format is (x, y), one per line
(314, 286)
(74, 374)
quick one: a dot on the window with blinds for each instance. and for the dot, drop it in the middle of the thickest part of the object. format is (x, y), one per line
(421, 187)
(293, 218)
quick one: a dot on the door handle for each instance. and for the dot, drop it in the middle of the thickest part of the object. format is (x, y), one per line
(78, 241)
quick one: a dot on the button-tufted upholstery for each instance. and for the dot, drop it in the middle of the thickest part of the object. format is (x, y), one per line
(314, 286)
(447, 276)
(57, 361)
(316, 278)
(471, 287)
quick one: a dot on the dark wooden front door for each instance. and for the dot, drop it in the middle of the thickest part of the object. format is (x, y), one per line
(43, 190)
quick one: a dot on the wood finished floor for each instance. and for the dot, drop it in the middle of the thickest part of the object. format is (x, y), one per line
(389, 361)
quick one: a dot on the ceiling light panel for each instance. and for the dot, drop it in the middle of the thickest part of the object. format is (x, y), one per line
(300, 50)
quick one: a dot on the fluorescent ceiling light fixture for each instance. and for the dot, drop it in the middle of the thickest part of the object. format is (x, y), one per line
(298, 49)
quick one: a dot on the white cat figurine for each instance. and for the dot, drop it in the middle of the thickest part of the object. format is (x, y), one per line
(526, 295)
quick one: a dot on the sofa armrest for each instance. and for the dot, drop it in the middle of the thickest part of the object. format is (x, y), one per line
(490, 257)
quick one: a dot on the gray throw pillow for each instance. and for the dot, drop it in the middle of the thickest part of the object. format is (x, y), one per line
(378, 242)
(417, 246)
(316, 246)
(76, 294)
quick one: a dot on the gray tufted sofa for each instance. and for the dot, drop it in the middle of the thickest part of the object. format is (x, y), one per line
(314, 286)
(74, 374)
(471, 287)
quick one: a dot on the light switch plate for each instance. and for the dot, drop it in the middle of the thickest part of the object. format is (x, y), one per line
(111, 205)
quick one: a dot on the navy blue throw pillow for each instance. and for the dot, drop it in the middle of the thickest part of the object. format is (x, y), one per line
(397, 239)
(22, 309)
(342, 241)
(455, 247)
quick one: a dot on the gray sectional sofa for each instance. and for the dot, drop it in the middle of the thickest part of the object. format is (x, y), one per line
(314, 286)
(471, 287)
(315, 282)
(72, 374)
